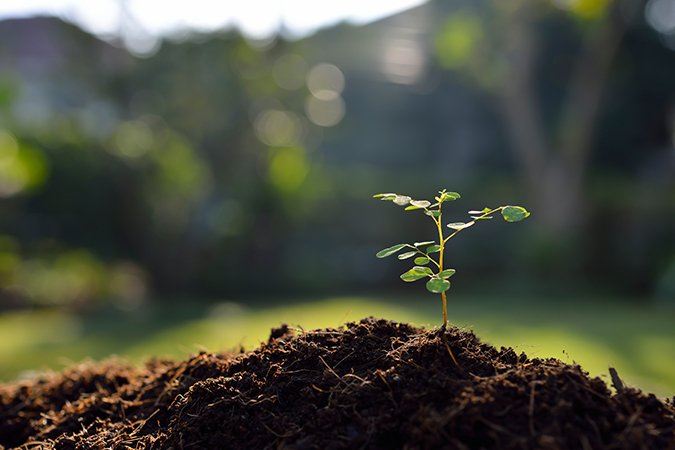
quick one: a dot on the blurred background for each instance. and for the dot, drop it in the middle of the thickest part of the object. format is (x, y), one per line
(176, 177)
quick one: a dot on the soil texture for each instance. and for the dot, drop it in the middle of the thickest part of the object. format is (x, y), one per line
(374, 384)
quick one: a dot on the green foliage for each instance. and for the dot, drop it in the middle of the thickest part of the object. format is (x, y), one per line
(416, 273)
(422, 261)
(459, 40)
(514, 213)
(434, 248)
(460, 225)
(447, 273)
(437, 285)
(390, 250)
(22, 167)
(437, 282)
(406, 255)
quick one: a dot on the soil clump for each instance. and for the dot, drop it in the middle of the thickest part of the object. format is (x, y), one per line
(374, 384)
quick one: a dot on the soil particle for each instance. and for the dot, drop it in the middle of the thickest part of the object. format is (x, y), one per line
(374, 384)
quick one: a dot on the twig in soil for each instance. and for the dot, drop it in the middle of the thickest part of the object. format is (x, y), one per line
(168, 387)
(530, 411)
(330, 369)
(32, 444)
(321, 332)
(380, 374)
(143, 422)
(616, 381)
(343, 359)
(353, 375)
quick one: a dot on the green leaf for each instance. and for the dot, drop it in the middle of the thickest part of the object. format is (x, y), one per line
(416, 273)
(445, 274)
(433, 249)
(390, 250)
(460, 225)
(412, 275)
(449, 196)
(402, 200)
(421, 203)
(514, 213)
(423, 243)
(437, 285)
(386, 196)
(406, 255)
(422, 260)
(432, 213)
(418, 204)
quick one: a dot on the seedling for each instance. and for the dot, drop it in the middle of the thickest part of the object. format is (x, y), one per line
(428, 255)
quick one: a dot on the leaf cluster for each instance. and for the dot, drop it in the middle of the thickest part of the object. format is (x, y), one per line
(426, 265)
(422, 252)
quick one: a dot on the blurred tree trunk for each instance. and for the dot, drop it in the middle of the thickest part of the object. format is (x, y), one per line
(555, 168)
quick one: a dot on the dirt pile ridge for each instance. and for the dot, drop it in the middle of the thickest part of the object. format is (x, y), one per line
(373, 384)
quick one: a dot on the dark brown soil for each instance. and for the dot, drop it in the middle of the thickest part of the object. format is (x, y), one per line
(374, 384)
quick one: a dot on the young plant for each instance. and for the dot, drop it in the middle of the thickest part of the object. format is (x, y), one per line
(428, 255)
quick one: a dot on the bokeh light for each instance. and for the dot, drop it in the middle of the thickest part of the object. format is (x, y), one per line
(404, 61)
(325, 81)
(132, 140)
(325, 112)
(661, 15)
(278, 128)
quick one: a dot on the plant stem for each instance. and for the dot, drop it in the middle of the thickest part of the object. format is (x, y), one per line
(445, 311)
(441, 241)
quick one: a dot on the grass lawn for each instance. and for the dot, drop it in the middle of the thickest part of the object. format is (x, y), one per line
(637, 339)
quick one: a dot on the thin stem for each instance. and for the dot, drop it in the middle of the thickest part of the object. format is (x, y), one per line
(445, 310)
(439, 226)
(451, 236)
(442, 241)
(426, 255)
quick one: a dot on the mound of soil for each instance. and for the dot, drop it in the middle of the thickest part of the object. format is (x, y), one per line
(373, 384)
